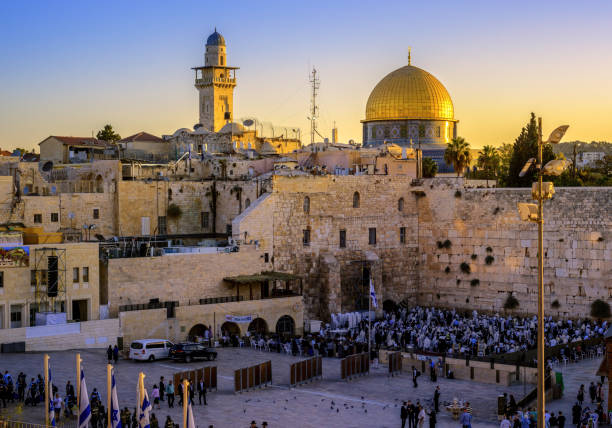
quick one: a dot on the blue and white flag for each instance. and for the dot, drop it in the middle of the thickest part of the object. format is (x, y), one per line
(145, 407)
(373, 294)
(114, 410)
(84, 407)
(190, 420)
(51, 407)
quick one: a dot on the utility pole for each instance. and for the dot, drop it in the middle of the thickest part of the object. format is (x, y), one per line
(314, 109)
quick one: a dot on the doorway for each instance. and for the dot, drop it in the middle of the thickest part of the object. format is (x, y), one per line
(79, 310)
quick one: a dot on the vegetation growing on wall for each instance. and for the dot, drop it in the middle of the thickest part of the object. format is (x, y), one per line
(465, 268)
(489, 259)
(511, 302)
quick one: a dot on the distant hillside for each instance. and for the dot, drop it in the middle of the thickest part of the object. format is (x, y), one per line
(594, 146)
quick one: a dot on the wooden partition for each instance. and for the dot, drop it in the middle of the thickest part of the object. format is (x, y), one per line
(395, 363)
(354, 365)
(209, 374)
(253, 377)
(305, 371)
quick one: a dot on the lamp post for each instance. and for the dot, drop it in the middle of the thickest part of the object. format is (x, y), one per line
(535, 213)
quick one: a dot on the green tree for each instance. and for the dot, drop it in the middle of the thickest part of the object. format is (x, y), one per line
(108, 134)
(489, 161)
(458, 154)
(525, 147)
(430, 167)
(505, 152)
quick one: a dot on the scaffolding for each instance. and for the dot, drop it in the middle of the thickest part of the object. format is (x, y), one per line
(46, 299)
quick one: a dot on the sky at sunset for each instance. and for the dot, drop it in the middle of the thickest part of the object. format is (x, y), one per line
(69, 67)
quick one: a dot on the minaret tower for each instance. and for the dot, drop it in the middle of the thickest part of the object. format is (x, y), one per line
(215, 83)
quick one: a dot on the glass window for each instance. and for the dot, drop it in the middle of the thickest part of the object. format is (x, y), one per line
(306, 238)
(54, 217)
(96, 213)
(136, 345)
(33, 278)
(37, 218)
(204, 220)
(356, 200)
(75, 274)
(307, 205)
(343, 239)
(161, 225)
(402, 235)
(400, 204)
(372, 236)
(85, 274)
(155, 345)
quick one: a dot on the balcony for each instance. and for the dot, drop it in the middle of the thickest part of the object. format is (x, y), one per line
(220, 80)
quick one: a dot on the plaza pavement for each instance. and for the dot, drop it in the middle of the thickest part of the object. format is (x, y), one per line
(369, 401)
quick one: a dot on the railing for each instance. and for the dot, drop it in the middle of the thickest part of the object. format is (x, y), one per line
(215, 80)
(62, 423)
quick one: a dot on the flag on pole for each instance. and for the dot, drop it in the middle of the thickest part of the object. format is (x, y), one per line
(50, 394)
(84, 407)
(190, 420)
(114, 410)
(145, 405)
(373, 294)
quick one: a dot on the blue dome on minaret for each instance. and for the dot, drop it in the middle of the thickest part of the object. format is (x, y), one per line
(215, 39)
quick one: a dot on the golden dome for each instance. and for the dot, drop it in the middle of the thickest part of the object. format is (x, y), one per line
(409, 93)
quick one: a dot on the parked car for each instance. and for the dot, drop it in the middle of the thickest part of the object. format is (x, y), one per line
(150, 349)
(191, 351)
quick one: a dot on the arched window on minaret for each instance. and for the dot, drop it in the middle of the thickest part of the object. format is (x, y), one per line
(221, 60)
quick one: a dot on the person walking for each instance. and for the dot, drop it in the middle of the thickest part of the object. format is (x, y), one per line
(561, 420)
(592, 391)
(202, 391)
(411, 414)
(109, 354)
(180, 391)
(155, 396)
(437, 399)
(404, 414)
(421, 416)
(465, 419)
(580, 396)
(576, 412)
(170, 394)
(415, 375)
(432, 419)
(505, 423)
(116, 354)
(162, 388)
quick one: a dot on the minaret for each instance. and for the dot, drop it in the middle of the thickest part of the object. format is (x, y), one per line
(215, 83)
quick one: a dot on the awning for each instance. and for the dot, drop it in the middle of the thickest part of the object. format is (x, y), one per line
(261, 277)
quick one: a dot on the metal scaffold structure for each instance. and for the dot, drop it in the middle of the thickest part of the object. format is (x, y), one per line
(50, 279)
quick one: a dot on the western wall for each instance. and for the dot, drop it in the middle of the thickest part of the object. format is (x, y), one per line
(450, 229)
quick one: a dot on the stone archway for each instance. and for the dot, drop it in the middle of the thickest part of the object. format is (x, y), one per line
(198, 330)
(258, 326)
(285, 326)
(230, 328)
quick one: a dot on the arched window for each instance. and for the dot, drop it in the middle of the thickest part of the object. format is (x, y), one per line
(356, 200)
(307, 205)
(221, 59)
(285, 326)
(247, 203)
(400, 204)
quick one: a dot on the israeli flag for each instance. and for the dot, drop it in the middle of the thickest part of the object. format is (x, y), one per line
(114, 410)
(51, 407)
(373, 294)
(190, 420)
(84, 407)
(145, 408)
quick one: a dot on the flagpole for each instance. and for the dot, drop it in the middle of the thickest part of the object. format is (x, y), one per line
(46, 368)
(185, 398)
(78, 381)
(109, 369)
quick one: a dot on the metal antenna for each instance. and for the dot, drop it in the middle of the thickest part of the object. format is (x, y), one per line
(314, 109)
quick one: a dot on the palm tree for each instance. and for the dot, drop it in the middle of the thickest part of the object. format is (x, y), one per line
(458, 154)
(489, 161)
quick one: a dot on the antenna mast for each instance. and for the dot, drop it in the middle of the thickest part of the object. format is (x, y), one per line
(314, 109)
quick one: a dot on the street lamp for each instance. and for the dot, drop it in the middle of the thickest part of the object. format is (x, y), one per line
(535, 213)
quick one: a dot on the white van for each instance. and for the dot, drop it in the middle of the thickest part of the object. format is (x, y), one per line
(150, 349)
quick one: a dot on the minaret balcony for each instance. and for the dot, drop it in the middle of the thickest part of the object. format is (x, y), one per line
(210, 80)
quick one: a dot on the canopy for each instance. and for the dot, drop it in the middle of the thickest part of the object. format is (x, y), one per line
(261, 277)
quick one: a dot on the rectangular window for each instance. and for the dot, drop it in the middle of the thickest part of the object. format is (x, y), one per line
(228, 229)
(96, 213)
(1, 279)
(85, 274)
(204, 220)
(54, 217)
(33, 278)
(343, 239)
(372, 236)
(402, 235)
(161, 225)
(37, 218)
(75, 274)
(306, 237)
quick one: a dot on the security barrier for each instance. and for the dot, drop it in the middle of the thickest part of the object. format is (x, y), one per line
(395, 363)
(354, 365)
(253, 377)
(209, 374)
(7, 423)
(307, 370)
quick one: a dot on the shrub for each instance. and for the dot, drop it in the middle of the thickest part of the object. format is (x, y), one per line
(489, 259)
(447, 244)
(458, 194)
(496, 210)
(474, 256)
(511, 302)
(474, 282)
(174, 211)
(600, 239)
(555, 304)
(447, 270)
(600, 309)
(489, 250)
(465, 268)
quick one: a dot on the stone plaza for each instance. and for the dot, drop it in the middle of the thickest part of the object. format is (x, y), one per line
(370, 401)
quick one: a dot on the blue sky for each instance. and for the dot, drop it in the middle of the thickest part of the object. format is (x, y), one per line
(69, 67)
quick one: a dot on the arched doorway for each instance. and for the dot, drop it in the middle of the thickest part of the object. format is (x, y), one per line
(258, 326)
(389, 306)
(230, 328)
(197, 331)
(285, 326)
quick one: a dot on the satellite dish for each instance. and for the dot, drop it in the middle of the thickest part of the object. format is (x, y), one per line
(47, 166)
(248, 122)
